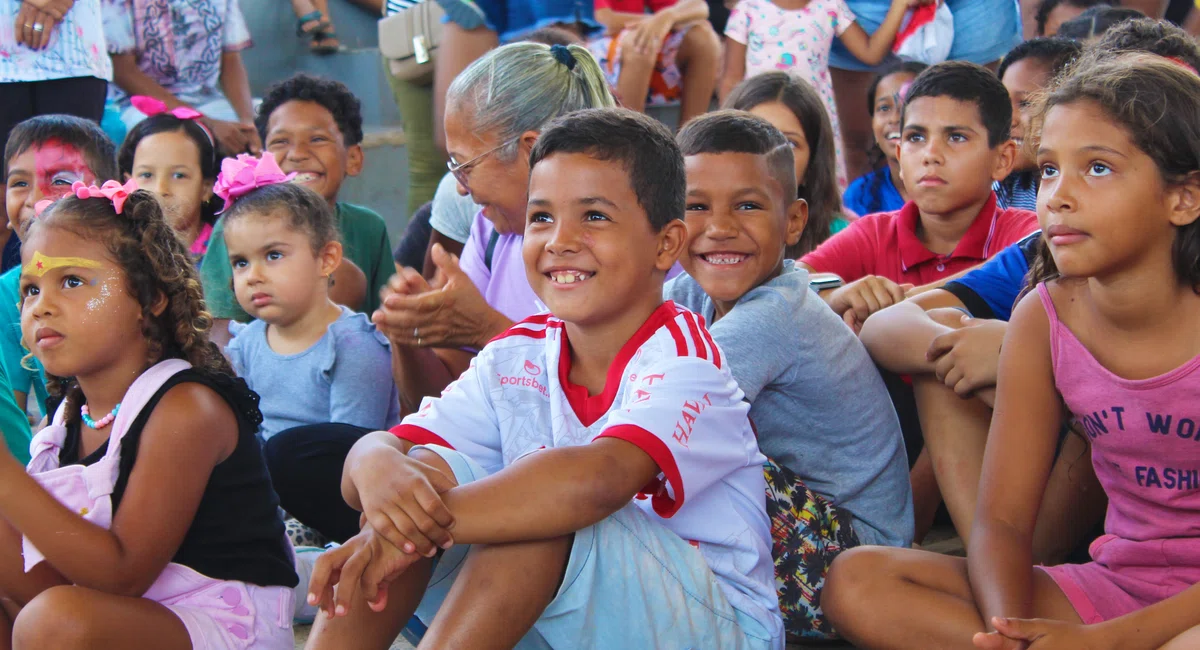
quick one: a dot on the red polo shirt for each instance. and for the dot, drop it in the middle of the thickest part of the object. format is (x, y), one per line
(633, 6)
(886, 244)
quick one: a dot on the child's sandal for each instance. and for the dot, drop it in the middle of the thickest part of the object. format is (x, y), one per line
(311, 24)
(325, 42)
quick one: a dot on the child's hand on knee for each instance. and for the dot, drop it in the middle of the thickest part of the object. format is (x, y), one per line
(865, 296)
(1044, 634)
(968, 359)
(401, 499)
(366, 563)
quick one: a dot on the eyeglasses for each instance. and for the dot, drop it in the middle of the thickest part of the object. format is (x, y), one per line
(462, 171)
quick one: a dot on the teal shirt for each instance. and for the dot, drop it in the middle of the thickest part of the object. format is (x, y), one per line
(364, 240)
(23, 375)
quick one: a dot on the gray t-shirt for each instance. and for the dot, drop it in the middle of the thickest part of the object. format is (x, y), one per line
(345, 377)
(452, 213)
(816, 398)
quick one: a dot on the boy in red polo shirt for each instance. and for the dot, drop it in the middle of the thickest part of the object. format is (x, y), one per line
(954, 144)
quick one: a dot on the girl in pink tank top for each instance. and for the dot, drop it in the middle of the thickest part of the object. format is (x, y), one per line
(1109, 335)
(146, 516)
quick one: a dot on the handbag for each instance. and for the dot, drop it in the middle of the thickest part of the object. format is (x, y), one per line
(409, 39)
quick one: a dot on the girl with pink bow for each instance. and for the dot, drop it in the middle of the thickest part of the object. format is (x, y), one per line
(146, 516)
(173, 154)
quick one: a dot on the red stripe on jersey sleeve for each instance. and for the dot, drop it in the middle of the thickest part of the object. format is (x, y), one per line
(663, 504)
(681, 347)
(697, 340)
(418, 435)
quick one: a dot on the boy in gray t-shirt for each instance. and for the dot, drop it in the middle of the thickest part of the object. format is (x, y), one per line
(819, 405)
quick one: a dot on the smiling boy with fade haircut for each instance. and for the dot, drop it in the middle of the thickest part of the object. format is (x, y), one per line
(593, 476)
(954, 144)
(313, 127)
(819, 406)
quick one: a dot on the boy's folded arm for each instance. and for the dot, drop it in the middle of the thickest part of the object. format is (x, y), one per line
(898, 336)
(370, 448)
(550, 493)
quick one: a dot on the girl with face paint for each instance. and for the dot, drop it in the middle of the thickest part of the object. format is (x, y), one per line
(147, 510)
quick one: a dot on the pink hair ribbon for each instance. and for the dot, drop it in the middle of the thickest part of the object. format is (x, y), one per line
(150, 107)
(111, 190)
(239, 176)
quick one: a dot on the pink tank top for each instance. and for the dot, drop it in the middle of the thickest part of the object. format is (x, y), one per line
(1145, 437)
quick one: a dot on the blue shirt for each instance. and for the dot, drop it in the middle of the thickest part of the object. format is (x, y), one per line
(816, 398)
(873, 192)
(345, 377)
(1018, 191)
(991, 290)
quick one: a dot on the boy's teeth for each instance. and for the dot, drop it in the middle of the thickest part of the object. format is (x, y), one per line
(724, 259)
(569, 277)
(304, 178)
(894, 135)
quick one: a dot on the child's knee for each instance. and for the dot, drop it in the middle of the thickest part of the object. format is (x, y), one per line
(632, 59)
(852, 572)
(701, 40)
(57, 618)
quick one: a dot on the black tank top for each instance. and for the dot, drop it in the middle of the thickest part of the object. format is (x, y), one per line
(237, 533)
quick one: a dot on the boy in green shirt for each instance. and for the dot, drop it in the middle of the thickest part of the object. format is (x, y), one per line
(313, 126)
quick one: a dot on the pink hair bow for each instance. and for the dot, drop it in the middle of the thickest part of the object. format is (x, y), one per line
(239, 176)
(150, 107)
(111, 190)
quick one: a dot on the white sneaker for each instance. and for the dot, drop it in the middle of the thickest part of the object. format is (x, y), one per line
(306, 557)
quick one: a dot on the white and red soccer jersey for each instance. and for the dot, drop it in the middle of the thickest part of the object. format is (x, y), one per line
(669, 391)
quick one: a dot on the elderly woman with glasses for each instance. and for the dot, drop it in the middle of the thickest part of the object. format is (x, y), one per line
(495, 109)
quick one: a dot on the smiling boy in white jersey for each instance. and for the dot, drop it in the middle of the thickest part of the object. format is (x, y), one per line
(593, 476)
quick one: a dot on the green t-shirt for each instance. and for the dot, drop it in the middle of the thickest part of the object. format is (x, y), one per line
(13, 422)
(364, 239)
(25, 376)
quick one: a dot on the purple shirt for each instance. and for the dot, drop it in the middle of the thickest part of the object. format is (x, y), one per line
(505, 287)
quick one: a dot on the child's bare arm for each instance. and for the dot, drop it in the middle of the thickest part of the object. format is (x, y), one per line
(615, 21)
(871, 49)
(236, 86)
(735, 68)
(898, 336)
(550, 493)
(191, 430)
(1016, 466)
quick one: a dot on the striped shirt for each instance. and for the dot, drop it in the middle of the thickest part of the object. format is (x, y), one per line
(396, 6)
(76, 47)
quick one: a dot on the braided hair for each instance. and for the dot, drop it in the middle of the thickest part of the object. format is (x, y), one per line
(156, 266)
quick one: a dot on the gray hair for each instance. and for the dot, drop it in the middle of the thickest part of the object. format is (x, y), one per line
(522, 87)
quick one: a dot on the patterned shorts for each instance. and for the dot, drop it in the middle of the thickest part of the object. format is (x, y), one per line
(807, 532)
(666, 82)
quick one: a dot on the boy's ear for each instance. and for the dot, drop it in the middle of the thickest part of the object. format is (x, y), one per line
(208, 190)
(1186, 206)
(330, 257)
(1004, 156)
(797, 219)
(671, 241)
(354, 160)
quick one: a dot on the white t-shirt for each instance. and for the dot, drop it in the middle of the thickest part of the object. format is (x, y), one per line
(669, 392)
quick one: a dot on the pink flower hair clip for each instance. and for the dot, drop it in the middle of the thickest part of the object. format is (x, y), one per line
(150, 107)
(111, 190)
(239, 176)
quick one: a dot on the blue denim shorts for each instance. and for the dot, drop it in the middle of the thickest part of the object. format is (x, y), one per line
(629, 583)
(512, 19)
(984, 30)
